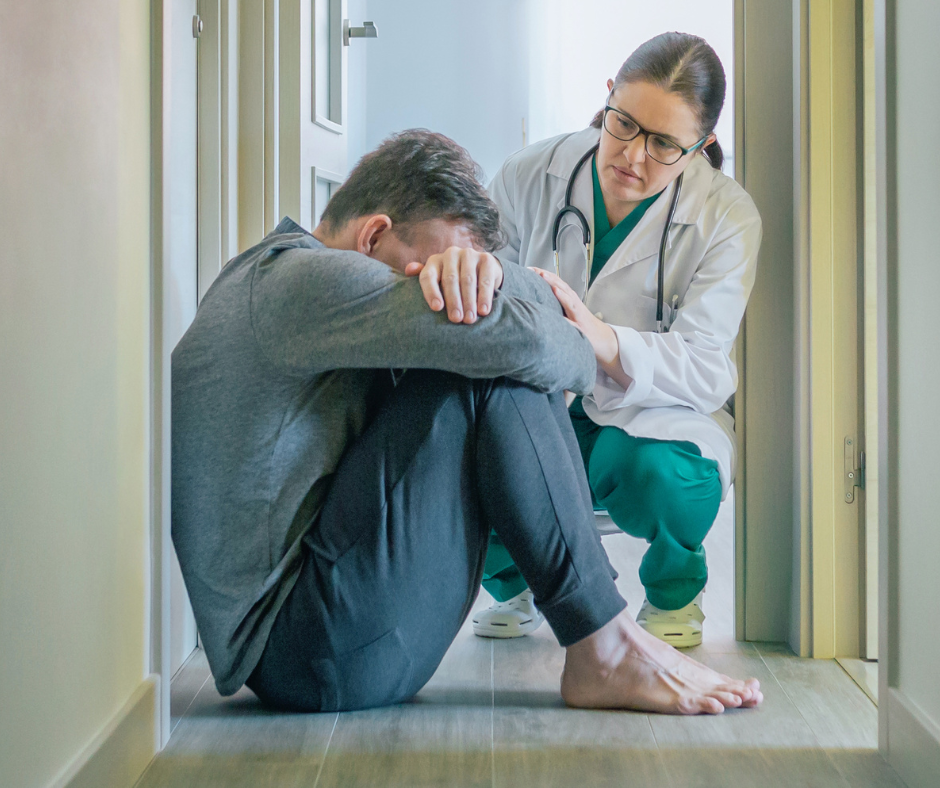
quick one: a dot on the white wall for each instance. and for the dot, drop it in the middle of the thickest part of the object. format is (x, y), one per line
(576, 47)
(74, 314)
(473, 71)
(918, 358)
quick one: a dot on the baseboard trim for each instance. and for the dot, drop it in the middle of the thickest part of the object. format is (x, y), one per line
(913, 742)
(122, 749)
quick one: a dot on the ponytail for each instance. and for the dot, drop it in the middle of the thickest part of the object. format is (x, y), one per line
(714, 154)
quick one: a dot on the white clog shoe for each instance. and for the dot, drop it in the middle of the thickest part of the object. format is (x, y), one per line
(510, 619)
(679, 628)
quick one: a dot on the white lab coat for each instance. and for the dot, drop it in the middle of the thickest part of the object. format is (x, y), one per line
(682, 379)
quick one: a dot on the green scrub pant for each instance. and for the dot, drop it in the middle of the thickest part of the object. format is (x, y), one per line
(662, 491)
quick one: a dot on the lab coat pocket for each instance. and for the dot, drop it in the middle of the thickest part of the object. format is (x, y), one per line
(645, 314)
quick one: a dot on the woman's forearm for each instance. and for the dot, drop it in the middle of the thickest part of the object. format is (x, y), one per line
(607, 350)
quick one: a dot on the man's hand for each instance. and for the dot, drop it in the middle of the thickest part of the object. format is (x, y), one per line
(463, 280)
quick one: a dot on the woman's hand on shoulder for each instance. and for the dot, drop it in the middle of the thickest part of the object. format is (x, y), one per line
(601, 336)
(462, 280)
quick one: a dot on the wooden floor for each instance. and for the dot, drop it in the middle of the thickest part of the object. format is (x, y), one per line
(492, 716)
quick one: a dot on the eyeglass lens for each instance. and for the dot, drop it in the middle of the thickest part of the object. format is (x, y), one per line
(659, 148)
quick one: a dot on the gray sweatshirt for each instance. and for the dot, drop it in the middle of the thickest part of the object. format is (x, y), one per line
(283, 366)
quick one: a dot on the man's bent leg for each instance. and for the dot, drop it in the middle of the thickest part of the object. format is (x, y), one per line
(545, 519)
(391, 568)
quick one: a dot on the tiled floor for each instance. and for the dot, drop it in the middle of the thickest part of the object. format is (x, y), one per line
(492, 716)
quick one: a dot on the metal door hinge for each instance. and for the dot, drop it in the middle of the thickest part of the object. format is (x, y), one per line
(853, 469)
(197, 26)
(368, 30)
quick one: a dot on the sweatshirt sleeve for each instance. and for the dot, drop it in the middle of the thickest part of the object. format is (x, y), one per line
(317, 310)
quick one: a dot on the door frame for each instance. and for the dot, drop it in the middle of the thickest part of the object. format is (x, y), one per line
(828, 225)
(217, 65)
(771, 531)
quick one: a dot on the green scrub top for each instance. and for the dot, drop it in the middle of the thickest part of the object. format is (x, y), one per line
(607, 239)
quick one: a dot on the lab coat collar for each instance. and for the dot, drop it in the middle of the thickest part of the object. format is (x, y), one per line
(695, 185)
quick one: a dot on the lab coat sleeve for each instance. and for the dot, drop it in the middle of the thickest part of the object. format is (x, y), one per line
(691, 365)
(501, 191)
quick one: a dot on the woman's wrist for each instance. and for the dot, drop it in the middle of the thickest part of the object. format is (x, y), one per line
(607, 351)
(606, 346)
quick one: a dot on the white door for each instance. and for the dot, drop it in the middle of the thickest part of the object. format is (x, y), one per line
(326, 123)
(293, 116)
(181, 264)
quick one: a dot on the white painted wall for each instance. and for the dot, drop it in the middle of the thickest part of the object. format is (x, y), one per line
(575, 48)
(74, 322)
(473, 71)
(918, 362)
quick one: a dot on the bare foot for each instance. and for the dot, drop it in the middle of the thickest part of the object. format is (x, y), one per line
(622, 666)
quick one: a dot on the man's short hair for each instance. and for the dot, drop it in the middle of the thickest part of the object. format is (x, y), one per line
(416, 176)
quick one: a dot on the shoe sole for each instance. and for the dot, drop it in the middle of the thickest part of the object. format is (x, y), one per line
(677, 637)
(504, 631)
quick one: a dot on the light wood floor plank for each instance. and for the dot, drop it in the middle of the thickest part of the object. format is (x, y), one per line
(564, 767)
(775, 724)
(865, 769)
(540, 742)
(411, 746)
(237, 742)
(760, 768)
(833, 705)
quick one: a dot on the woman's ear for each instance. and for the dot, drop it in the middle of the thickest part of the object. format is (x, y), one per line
(371, 232)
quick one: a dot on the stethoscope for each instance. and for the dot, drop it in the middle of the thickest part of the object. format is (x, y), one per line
(589, 248)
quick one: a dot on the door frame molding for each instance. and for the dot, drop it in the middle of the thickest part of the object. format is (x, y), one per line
(160, 557)
(217, 234)
(828, 293)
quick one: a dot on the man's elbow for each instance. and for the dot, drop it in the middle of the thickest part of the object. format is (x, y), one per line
(571, 368)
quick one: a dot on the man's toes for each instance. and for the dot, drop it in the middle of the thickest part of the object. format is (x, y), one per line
(729, 700)
(756, 699)
(700, 704)
(738, 688)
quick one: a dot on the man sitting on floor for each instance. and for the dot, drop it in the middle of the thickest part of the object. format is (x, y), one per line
(341, 451)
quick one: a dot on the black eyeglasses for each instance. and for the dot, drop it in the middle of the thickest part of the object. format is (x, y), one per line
(622, 127)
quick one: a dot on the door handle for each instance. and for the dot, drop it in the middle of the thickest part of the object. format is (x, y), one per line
(368, 30)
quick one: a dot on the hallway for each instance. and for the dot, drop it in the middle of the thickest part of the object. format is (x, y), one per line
(492, 716)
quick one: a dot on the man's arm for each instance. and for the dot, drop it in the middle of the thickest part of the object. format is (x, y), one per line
(327, 309)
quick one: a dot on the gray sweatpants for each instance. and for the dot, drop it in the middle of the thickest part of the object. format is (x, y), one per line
(394, 562)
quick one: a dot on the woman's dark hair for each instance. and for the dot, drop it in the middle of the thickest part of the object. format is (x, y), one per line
(415, 176)
(684, 64)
